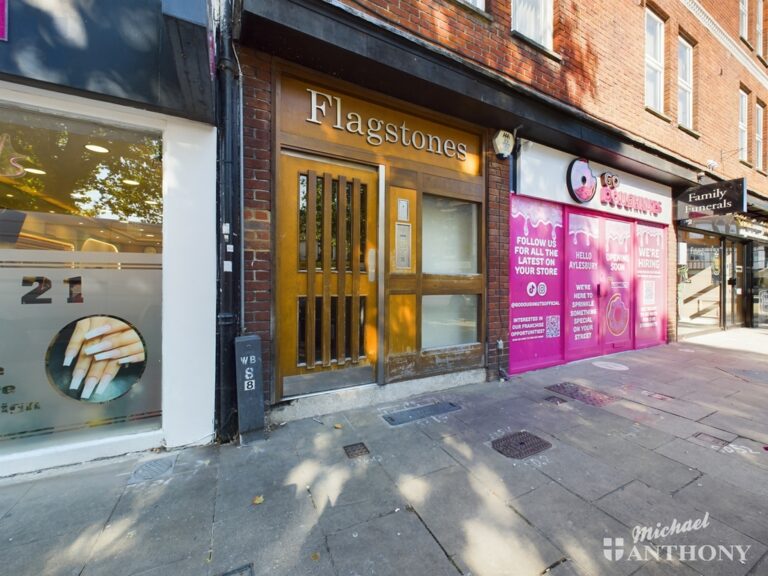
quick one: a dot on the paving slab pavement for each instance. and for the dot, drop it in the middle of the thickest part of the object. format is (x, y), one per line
(433, 496)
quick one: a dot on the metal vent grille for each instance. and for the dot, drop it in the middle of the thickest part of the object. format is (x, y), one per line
(412, 414)
(582, 393)
(520, 445)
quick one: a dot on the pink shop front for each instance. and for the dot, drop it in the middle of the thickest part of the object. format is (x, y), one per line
(588, 260)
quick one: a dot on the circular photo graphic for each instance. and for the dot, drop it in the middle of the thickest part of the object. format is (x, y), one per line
(96, 358)
(582, 184)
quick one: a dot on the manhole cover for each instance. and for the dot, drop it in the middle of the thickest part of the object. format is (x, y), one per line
(555, 400)
(356, 450)
(411, 414)
(246, 570)
(610, 365)
(712, 440)
(153, 470)
(581, 393)
(520, 445)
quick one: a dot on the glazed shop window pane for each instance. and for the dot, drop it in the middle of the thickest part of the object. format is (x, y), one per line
(80, 279)
(448, 320)
(77, 186)
(449, 236)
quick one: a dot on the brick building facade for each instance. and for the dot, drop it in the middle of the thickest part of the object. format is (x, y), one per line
(576, 79)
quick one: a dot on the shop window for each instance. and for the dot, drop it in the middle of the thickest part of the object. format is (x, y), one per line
(743, 102)
(450, 236)
(448, 320)
(533, 19)
(684, 84)
(81, 242)
(654, 61)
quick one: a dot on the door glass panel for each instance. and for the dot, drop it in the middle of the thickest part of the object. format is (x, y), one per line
(760, 285)
(449, 236)
(699, 278)
(448, 320)
(734, 288)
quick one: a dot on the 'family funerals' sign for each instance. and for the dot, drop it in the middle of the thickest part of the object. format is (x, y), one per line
(720, 198)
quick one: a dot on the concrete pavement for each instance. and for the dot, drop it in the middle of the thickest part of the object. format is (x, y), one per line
(678, 440)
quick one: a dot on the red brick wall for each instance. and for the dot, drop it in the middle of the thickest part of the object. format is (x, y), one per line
(257, 193)
(601, 67)
(497, 182)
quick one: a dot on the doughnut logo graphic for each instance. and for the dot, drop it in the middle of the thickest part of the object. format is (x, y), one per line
(582, 184)
(617, 315)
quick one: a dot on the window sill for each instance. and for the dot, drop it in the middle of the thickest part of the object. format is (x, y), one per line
(762, 59)
(538, 47)
(746, 163)
(471, 8)
(747, 44)
(689, 131)
(761, 171)
(658, 114)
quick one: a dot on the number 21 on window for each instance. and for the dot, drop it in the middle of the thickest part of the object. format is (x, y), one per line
(42, 285)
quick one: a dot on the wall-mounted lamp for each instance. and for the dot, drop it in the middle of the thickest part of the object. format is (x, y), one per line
(712, 165)
(504, 143)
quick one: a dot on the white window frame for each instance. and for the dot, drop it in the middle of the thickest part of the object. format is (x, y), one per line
(479, 4)
(657, 66)
(744, 19)
(543, 33)
(743, 125)
(759, 123)
(759, 28)
(685, 84)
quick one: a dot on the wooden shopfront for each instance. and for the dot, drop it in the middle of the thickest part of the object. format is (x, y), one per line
(379, 239)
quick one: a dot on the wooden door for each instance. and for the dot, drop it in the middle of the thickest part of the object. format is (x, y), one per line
(326, 254)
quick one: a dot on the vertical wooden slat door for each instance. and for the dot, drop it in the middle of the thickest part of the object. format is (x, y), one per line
(326, 297)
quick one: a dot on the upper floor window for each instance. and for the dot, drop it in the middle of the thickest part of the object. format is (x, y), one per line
(684, 83)
(743, 99)
(654, 61)
(533, 18)
(759, 120)
(479, 4)
(743, 18)
(759, 29)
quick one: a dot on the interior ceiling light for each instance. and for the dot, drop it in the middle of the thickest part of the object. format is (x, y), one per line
(149, 235)
(9, 195)
(96, 148)
(35, 171)
(131, 182)
(152, 202)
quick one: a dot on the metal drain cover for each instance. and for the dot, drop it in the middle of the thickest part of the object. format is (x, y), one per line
(520, 445)
(582, 393)
(356, 450)
(555, 400)
(411, 414)
(153, 470)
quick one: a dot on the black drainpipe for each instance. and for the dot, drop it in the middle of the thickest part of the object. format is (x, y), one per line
(228, 232)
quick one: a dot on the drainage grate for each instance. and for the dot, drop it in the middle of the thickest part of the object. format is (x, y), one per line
(712, 440)
(555, 400)
(246, 570)
(356, 450)
(411, 414)
(153, 470)
(520, 445)
(582, 393)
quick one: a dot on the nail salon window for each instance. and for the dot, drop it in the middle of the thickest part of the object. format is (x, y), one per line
(81, 241)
